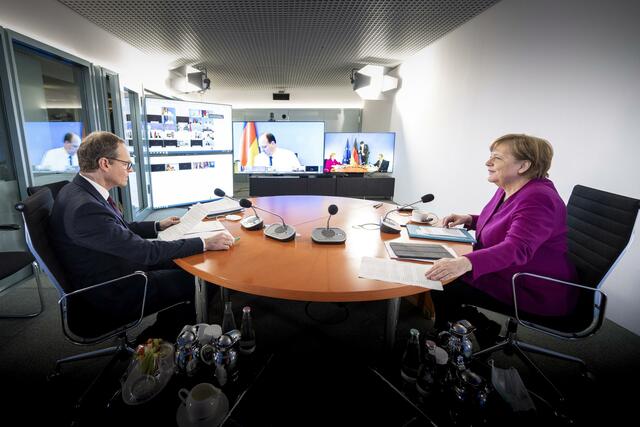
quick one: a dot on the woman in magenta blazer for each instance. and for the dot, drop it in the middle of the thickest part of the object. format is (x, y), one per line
(523, 228)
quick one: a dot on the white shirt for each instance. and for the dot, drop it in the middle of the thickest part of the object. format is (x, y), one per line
(57, 159)
(283, 160)
(103, 191)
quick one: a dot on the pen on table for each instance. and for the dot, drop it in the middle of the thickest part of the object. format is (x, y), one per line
(235, 239)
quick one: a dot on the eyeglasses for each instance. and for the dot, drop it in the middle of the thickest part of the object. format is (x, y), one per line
(129, 164)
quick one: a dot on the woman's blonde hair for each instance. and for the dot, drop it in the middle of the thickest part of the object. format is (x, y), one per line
(536, 150)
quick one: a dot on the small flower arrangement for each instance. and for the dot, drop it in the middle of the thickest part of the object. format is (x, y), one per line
(147, 355)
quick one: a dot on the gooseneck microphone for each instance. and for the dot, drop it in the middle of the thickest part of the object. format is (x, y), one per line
(388, 225)
(251, 223)
(329, 235)
(282, 232)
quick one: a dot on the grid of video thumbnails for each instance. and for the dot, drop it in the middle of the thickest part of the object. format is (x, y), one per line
(172, 167)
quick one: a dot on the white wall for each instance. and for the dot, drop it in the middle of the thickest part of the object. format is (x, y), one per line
(568, 71)
(330, 97)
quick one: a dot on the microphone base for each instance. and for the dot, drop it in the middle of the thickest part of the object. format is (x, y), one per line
(284, 233)
(328, 235)
(252, 223)
(389, 226)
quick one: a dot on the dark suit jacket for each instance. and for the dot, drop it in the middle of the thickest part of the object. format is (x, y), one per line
(94, 244)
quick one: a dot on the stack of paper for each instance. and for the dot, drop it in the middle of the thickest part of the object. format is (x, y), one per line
(221, 206)
(191, 225)
(407, 273)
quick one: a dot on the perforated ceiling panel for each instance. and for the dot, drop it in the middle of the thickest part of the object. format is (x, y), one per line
(280, 43)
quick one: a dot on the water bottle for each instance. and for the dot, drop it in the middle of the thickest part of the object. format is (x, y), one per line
(248, 339)
(228, 322)
(411, 358)
(426, 382)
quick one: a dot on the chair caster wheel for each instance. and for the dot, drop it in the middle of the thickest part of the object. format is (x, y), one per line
(587, 375)
(54, 376)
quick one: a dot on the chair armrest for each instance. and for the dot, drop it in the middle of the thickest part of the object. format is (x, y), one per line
(9, 227)
(599, 305)
(63, 300)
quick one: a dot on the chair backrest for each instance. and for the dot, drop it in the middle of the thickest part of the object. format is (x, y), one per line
(55, 188)
(384, 166)
(600, 226)
(36, 210)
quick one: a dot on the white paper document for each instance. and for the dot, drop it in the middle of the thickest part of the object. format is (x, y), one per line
(407, 273)
(191, 225)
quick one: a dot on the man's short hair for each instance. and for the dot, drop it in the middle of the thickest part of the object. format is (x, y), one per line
(95, 146)
(270, 137)
(68, 137)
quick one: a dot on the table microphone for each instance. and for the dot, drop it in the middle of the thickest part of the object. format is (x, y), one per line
(388, 225)
(253, 222)
(329, 235)
(282, 232)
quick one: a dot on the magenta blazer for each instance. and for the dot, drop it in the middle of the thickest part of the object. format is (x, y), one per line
(525, 233)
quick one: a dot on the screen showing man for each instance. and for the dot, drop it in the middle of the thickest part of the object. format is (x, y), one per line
(62, 158)
(274, 157)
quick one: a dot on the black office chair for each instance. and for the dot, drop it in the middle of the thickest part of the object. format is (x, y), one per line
(14, 261)
(600, 228)
(78, 321)
(55, 188)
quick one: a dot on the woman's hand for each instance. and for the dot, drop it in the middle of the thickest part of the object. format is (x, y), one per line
(456, 219)
(447, 269)
(168, 222)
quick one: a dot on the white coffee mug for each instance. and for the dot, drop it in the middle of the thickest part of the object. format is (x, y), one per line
(201, 402)
(422, 216)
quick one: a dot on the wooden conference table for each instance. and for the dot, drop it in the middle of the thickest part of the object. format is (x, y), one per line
(301, 269)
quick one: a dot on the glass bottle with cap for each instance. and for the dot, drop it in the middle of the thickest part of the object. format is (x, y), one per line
(425, 382)
(248, 339)
(411, 358)
(228, 321)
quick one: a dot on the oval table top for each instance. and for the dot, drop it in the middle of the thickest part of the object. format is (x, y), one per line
(302, 269)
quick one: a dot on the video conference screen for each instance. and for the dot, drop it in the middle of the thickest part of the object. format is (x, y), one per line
(278, 147)
(183, 126)
(190, 151)
(359, 152)
(182, 180)
(48, 150)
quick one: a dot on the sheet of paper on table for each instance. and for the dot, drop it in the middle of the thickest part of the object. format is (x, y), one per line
(191, 225)
(407, 273)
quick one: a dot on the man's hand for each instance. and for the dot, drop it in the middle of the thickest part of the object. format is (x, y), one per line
(447, 269)
(168, 222)
(455, 219)
(219, 242)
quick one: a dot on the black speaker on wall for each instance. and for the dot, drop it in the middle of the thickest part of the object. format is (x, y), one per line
(280, 96)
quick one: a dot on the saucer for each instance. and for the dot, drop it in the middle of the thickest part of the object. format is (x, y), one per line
(423, 222)
(213, 421)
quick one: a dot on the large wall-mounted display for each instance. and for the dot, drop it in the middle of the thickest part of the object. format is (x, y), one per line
(278, 147)
(359, 152)
(190, 151)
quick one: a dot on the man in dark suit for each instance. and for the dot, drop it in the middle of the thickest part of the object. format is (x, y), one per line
(364, 153)
(95, 244)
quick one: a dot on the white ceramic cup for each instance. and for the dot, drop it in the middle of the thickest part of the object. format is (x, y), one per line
(201, 402)
(422, 216)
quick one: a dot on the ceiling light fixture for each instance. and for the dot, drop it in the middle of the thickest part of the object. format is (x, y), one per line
(370, 81)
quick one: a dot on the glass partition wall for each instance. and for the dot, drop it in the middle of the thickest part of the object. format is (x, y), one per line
(52, 93)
